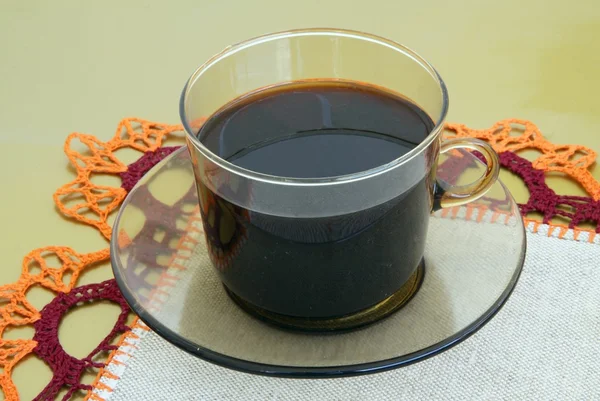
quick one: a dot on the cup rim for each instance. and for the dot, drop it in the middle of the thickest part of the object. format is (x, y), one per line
(281, 180)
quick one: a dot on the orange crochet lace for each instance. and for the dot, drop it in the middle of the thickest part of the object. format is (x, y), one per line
(99, 201)
(572, 160)
(91, 204)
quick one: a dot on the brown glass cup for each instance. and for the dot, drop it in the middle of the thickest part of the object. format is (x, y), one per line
(254, 222)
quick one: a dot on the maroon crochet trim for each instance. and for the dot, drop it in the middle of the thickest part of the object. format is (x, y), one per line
(147, 249)
(66, 369)
(136, 170)
(542, 198)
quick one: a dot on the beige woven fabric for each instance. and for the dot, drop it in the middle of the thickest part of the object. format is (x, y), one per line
(544, 344)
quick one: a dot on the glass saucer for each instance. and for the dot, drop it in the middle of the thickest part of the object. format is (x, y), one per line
(473, 259)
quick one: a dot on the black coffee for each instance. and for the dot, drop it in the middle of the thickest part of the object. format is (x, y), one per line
(316, 267)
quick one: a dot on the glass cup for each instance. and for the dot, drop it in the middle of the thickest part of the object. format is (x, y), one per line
(329, 253)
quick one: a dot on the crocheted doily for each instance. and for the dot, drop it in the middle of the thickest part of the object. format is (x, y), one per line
(91, 204)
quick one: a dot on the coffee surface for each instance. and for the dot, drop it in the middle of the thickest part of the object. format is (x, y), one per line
(316, 130)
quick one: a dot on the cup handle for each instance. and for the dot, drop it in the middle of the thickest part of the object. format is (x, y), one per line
(447, 195)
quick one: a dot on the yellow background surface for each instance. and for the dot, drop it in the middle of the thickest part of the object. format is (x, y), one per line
(82, 66)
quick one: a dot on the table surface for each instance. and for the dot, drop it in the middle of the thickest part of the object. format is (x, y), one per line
(82, 66)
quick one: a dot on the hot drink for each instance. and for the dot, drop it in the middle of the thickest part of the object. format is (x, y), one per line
(324, 267)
